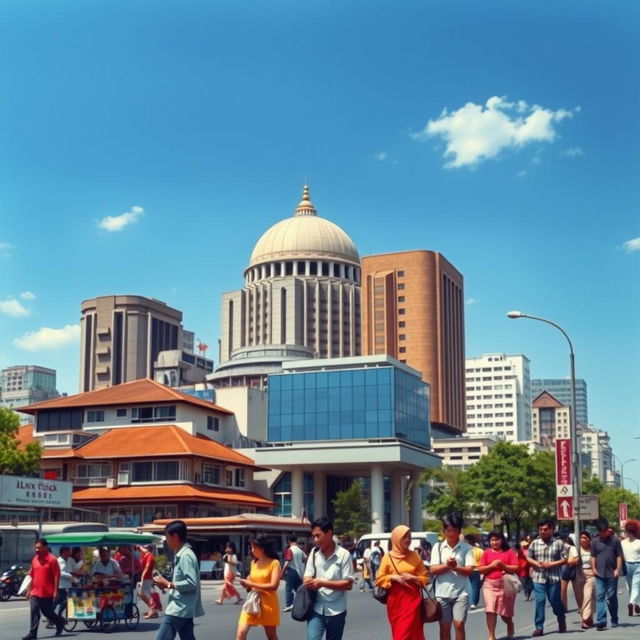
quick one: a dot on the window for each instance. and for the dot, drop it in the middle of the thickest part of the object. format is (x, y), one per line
(159, 471)
(400, 286)
(401, 312)
(400, 298)
(228, 477)
(210, 474)
(402, 336)
(400, 274)
(239, 477)
(93, 470)
(153, 414)
(402, 324)
(95, 416)
(121, 413)
(402, 349)
(213, 423)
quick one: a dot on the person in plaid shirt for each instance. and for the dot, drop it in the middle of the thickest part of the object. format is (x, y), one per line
(546, 557)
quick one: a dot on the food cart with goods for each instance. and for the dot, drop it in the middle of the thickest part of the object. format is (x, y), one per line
(102, 601)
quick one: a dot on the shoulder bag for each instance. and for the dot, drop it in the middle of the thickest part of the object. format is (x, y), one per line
(512, 584)
(431, 610)
(380, 593)
(304, 601)
(252, 604)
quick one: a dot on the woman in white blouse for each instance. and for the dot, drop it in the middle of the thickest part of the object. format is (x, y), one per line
(585, 583)
(631, 552)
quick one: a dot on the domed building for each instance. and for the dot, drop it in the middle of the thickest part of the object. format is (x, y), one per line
(301, 299)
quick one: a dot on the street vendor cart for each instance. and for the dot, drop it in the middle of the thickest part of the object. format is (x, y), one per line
(103, 601)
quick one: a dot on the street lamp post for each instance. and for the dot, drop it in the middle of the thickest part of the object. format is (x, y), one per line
(573, 432)
(637, 487)
(622, 468)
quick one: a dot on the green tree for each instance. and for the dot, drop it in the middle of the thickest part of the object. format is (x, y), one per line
(16, 459)
(353, 515)
(512, 485)
(592, 485)
(448, 491)
(610, 499)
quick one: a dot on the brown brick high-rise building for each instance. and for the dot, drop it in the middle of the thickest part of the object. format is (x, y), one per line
(413, 310)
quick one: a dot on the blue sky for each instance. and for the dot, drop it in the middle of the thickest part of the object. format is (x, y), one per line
(502, 134)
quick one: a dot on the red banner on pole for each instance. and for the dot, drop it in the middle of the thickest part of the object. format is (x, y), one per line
(564, 508)
(623, 511)
(564, 474)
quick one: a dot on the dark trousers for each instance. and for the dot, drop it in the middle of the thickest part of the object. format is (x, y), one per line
(172, 625)
(331, 627)
(551, 592)
(292, 583)
(60, 603)
(43, 606)
(476, 582)
(527, 586)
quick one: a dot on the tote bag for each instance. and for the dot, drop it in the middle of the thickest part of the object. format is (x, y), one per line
(304, 601)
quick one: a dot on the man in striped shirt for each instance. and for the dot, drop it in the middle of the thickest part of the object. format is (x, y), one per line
(546, 556)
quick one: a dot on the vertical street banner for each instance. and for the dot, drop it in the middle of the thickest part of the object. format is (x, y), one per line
(623, 513)
(564, 480)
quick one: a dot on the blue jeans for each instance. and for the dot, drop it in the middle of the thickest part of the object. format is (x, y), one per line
(606, 594)
(633, 582)
(476, 580)
(171, 625)
(550, 591)
(292, 583)
(318, 624)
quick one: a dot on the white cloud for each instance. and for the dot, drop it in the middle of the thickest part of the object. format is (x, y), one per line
(470, 301)
(47, 338)
(521, 174)
(380, 156)
(476, 132)
(13, 308)
(632, 245)
(118, 223)
(573, 152)
(28, 295)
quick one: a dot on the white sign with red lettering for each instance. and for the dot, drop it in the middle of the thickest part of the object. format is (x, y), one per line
(564, 475)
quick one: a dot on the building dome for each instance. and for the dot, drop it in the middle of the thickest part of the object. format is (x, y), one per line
(305, 235)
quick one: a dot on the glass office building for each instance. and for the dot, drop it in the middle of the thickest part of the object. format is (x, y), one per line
(346, 404)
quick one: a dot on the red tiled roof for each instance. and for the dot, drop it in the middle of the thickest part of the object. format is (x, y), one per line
(181, 492)
(546, 400)
(144, 391)
(138, 442)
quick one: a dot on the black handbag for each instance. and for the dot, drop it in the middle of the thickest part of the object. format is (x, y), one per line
(305, 599)
(381, 594)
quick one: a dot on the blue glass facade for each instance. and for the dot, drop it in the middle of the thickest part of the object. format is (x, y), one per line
(380, 402)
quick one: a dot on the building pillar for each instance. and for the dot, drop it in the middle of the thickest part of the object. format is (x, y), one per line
(377, 499)
(297, 491)
(397, 499)
(416, 502)
(319, 494)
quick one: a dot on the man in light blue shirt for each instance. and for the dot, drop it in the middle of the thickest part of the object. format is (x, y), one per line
(329, 572)
(185, 602)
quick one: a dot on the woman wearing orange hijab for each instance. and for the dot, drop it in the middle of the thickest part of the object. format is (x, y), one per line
(402, 573)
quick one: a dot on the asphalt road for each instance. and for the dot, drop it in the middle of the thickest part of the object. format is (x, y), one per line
(366, 620)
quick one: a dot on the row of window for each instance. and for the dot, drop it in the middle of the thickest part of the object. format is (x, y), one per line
(498, 405)
(486, 369)
(486, 425)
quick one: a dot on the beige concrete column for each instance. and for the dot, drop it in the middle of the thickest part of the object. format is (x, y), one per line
(377, 499)
(416, 502)
(397, 499)
(319, 494)
(297, 491)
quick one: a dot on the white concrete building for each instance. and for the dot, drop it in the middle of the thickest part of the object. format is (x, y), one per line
(461, 453)
(596, 453)
(550, 420)
(498, 391)
(26, 384)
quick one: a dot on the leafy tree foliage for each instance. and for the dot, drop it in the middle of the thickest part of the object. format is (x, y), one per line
(448, 493)
(593, 485)
(353, 515)
(610, 499)
(16, 459)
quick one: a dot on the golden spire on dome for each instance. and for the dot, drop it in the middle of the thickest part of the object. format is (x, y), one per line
(305, 208)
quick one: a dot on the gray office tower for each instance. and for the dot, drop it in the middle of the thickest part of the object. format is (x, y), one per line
(560, 389)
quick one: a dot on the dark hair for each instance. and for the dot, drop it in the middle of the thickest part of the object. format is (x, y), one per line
(496, 533)
(292, 537)
(632, 526)
(453, 520)
(266, 544)
(584, 532)
(602, 524)
(75, 550)
(549, 522)
(567, 539)
(42, 541)
(177, 528)
(322, 523)
(232, 546)
(65, 548)
(470, 538)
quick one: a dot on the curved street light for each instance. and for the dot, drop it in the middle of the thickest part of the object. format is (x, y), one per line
(622, 467)
(637, 487)
(573, 431)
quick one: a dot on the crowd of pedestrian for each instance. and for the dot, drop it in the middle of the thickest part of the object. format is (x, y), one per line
(457, 570)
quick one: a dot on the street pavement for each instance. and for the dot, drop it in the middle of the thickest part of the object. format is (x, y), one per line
(366, 620)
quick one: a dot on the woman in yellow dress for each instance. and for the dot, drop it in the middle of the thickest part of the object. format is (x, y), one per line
(264, 577)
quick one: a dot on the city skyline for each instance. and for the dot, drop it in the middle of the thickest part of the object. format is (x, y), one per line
(148, 160)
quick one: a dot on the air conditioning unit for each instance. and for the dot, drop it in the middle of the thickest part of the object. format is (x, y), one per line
(111, 483)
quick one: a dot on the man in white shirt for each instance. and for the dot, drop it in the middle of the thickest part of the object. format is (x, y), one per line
(293, 569)
(451, 565)
(69, 571)
(106, 565)
(329, 572)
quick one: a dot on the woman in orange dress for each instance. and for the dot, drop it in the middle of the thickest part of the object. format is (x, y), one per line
(402, 573)
(264, 577)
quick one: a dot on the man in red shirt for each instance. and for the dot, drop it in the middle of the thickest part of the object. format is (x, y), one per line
(45, 575)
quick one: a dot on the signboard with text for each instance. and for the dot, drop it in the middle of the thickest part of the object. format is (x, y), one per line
(564, 472)
(589, 507)
(564, 508)
(623, 513)
(34, 492)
